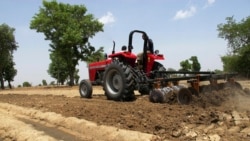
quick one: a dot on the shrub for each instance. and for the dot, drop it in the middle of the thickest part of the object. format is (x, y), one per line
(26, 84)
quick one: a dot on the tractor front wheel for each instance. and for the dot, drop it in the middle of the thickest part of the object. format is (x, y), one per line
(85, 88)
(118, 82)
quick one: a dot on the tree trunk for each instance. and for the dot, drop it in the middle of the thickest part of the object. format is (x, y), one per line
(9, 85)
(61, 82)
(71, 78)
(2, 82)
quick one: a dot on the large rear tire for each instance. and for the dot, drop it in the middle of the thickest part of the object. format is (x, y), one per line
(85, 89)
(118, 82)
(144, 89)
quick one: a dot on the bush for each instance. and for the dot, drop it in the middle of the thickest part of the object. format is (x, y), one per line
(44, 82)
(26, 84)
(52, 83)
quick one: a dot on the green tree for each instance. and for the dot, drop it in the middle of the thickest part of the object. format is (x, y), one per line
(195, 66)
(95, 56)
(237, 35)
(244, 60)
(44, 82)
(9, 72)
(230, 62)
(69, 28)
(26, 84)
(58, 68)
(7, 46)
(185, 65)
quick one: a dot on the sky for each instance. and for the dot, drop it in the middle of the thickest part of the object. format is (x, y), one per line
(179, 29)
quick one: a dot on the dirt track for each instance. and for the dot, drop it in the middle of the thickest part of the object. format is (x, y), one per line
(60, 114)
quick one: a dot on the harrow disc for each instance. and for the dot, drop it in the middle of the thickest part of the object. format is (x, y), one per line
(156, 96)
(184, 96)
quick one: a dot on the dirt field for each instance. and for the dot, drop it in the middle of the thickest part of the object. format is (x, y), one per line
(60, 114)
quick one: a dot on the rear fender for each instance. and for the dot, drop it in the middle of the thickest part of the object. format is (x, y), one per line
(125, 56)
(150, 61)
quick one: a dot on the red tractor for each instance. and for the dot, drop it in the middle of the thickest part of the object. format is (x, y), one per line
(121, 73)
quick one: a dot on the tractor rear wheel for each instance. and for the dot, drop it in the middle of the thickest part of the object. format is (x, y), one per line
(144, 89)
(118, 82)
(85, 88)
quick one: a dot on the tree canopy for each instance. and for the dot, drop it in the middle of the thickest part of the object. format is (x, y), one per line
(58, 68)
(185, 65)
(7, 46)
(9, 71)
(194, 65)
(237, 35)
(69, 28)
(44, 82)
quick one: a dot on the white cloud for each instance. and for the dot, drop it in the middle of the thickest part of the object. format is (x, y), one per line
(107, 18)
(209, 3)
(182, 14)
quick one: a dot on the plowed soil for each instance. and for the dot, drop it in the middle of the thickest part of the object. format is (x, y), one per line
(211, 116)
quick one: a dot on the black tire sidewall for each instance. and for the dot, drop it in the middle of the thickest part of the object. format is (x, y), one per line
(89, 90)
(124, 91)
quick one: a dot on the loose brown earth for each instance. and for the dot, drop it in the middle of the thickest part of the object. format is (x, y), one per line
(215, 115)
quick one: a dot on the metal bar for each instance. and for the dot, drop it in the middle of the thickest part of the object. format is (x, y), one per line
(204, 77)
(186, 72)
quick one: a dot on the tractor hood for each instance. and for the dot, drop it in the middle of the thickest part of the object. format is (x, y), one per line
(124, 54)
